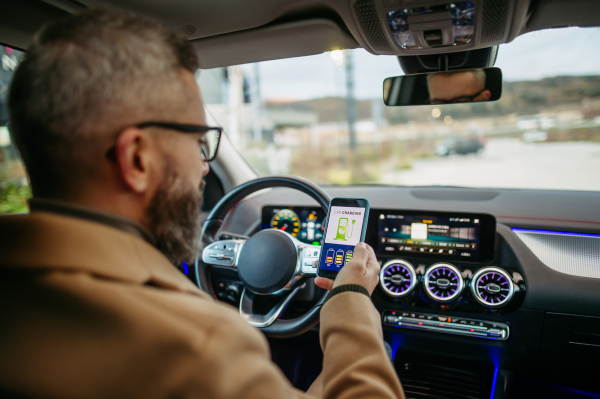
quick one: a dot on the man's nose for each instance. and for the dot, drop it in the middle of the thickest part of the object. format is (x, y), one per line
(206, 168)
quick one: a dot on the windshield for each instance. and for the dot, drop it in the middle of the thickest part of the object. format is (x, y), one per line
(322, 117)
(14, 187)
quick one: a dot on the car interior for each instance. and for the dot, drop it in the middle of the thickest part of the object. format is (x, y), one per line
(485, 291)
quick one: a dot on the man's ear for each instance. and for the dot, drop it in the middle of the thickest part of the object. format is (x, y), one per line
(133, 157)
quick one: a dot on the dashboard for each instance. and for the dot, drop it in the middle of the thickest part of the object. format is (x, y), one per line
(520, 289)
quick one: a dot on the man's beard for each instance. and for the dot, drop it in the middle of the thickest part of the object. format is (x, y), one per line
(174, 217)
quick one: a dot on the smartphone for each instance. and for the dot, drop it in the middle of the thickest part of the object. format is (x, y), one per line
(346, 226)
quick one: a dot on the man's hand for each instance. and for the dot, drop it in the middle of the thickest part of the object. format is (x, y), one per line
(362, 270)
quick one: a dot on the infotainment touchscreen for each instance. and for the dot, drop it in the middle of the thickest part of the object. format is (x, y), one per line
(466, 236)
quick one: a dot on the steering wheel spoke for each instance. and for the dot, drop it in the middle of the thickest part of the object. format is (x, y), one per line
(223, 253)
(247, 305)
(309, 254)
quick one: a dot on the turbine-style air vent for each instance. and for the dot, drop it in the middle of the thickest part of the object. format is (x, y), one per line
(443, 282)
(398, 278)
(492, 287)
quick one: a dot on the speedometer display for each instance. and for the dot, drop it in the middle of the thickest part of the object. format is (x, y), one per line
(303, 222)
(286, 220)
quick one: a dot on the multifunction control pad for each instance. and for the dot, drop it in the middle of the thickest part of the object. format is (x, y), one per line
(445, 324)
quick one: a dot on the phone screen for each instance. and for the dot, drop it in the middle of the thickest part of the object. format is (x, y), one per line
(343, 232)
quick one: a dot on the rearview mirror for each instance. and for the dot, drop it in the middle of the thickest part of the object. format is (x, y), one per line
(452, 87)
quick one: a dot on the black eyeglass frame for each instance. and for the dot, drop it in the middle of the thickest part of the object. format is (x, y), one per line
(179, 127)
(453, 100)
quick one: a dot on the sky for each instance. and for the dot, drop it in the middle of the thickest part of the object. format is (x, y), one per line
(554, 52)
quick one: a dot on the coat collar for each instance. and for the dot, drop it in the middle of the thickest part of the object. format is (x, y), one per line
(45, 241)
(93, 215)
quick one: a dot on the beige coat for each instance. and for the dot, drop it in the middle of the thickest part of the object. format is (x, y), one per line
(89, 311)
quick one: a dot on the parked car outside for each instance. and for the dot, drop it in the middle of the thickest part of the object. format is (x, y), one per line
(460, 145)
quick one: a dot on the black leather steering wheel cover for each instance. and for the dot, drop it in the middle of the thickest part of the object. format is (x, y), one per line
(281, 328)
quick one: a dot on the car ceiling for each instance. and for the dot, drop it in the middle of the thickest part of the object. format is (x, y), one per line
(230, 32)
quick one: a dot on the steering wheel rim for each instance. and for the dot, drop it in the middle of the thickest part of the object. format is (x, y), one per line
(279, 328)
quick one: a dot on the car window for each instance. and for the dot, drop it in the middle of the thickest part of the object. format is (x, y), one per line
(14, 187)
(301, 116)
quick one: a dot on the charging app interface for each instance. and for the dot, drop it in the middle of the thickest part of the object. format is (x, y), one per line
(344, 228)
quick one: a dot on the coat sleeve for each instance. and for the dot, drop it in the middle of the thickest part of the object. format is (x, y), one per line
(355, 361)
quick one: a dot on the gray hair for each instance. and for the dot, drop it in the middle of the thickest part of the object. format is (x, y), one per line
(83, 80)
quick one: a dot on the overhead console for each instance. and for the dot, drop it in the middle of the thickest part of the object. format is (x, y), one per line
(406, 27)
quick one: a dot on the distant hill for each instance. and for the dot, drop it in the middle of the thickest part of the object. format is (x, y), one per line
(527, 97)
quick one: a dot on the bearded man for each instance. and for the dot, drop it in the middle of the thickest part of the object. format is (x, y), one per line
(109, 121)
(455, 87)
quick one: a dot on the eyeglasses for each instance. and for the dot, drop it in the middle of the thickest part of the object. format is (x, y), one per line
(456, 100)
(210, 141)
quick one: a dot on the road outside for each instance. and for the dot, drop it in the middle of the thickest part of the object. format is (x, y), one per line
(510, 163)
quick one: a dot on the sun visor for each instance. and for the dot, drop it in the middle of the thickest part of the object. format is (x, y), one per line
(293, 39)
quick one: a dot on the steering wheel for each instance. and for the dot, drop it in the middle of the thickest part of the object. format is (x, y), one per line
(271, 262)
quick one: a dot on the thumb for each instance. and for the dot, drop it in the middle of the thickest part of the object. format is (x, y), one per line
(324, 283)
(361, 253)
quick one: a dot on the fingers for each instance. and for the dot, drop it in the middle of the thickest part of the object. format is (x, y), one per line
(324, 283)
(361, 253)
(362, 270)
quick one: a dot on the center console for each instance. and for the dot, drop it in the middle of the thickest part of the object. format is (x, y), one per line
(437, 265)
(438, 269)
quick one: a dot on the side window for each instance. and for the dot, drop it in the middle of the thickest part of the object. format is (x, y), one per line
(14, 186)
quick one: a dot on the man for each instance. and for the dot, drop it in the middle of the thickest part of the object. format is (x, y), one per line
(109, 121)
(457, 87)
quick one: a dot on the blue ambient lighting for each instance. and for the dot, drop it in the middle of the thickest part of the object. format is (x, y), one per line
(494, 382)
(185, 267)
(577, 391)
(395, 343)
(564, 233)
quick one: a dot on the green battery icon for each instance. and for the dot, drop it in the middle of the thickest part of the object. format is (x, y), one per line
(349, 256)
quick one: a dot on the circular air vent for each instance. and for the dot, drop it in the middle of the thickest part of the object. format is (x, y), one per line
(398, 278)
(492, 286)
(443, 282)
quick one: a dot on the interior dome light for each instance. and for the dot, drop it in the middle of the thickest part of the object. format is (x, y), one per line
(439, 25)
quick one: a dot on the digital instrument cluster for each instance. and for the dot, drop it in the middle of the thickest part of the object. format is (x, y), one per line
(304, 223)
